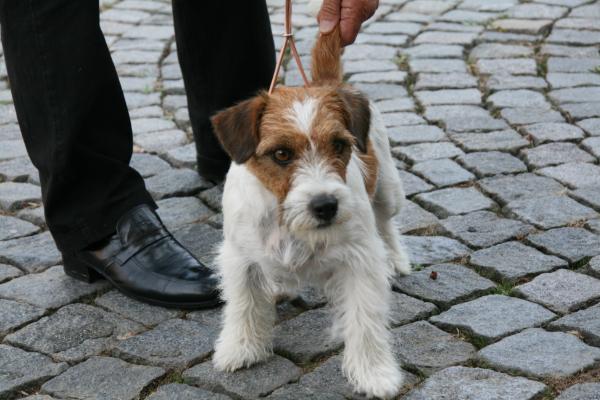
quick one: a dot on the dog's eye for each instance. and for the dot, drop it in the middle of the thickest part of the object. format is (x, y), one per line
(339, 146)
(282, 156)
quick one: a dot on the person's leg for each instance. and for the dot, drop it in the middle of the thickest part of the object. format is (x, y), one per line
(227, 54)
(73, 116)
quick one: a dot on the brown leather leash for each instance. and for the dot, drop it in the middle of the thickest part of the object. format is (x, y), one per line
(289, 41)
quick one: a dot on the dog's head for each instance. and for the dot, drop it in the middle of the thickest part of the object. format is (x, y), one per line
(299, 142)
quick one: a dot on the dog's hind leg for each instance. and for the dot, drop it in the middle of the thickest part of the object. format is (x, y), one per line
(249, 314)
(397, 256)
(387, 203)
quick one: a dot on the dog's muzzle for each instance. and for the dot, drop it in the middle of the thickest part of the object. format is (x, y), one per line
(324, 207)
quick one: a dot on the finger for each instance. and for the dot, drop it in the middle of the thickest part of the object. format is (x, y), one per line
(329, 15)
(370, 8)
(349, 28)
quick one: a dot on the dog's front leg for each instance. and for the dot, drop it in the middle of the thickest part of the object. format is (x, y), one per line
(249, 315)
(362, 312)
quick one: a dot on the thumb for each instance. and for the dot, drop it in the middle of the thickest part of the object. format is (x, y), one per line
(329, 16)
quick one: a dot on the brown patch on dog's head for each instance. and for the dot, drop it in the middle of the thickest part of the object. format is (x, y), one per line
(357, 115)
(237, 127)
(273, 135)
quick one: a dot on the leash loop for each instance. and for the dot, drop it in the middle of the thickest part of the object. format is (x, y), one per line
(289, 41)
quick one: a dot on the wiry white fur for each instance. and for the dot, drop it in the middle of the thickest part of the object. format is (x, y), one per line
(353, 261)
(302, 114)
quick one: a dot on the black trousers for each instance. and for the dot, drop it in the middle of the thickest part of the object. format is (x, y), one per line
(73, 115)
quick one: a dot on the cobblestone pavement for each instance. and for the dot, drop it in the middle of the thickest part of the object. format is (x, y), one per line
(493, 108)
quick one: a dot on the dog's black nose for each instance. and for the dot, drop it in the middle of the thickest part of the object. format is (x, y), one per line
(324, 207)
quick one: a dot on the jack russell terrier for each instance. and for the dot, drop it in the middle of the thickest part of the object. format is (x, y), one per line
(309, 199)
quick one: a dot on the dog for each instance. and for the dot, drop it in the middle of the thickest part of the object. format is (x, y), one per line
(309, 199)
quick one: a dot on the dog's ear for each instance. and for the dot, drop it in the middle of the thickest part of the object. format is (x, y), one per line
(357, 114)
(237, 128)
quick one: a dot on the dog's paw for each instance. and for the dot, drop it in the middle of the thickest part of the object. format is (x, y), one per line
(229, 357)
(400, 264)
(379, 384)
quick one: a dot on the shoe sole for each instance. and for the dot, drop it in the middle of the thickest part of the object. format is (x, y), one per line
(85, 272)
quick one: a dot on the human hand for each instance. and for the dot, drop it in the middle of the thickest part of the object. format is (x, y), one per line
(349, 13)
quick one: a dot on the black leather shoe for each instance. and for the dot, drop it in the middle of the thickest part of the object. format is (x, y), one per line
(144, 261)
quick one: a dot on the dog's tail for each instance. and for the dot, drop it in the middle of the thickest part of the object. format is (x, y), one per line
(326, 54)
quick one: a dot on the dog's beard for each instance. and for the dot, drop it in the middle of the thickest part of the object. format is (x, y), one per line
(304, 226)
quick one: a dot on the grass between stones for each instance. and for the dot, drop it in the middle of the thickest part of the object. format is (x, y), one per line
(581, 263)
(475, 340)
(169, 377)
(505, 288)
(558, 385)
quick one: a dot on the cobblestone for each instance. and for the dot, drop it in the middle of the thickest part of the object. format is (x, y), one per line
(17, 170)
(492, 163)
(407, 309)
(8, 272)
(30, 253)
(555, 153)
(434, 249)
(14, 228)
(132, 309)
(562, 290)
(458, 96)
(506, 82)
(176, 182)
(173, 344)
(493, 317)
(427, 151)
(305, 337)
(442, 172)
(585, 321)
(518, 98)
(416, 134)
(453, 201)
(582, 391)
(16, 195)
(493, 114)
(591, 126)
(21, 369)
(426, 348)
(484, 228)
(513, 260)
(413, 218)
(506, 140)
(538, 353)
(588, 195)
(575, 175)
(178, 391)
(571, 243)
(517, 66)
(256, 381)
(519, 187)
(454, 283)
(329, 378)
(456, 383)
(550, 212)
(148, 165)
(15, 314)
(108, 377)
(530, 115)
(49, 289)
(74, 332)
